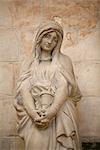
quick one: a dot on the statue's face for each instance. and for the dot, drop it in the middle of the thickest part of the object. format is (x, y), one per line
(49, 41)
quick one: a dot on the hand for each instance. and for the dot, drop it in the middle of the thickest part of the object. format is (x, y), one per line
(46, 115)
(41, 123)
(49, 114)
(41, 112)
(39, 120)
(35, 115)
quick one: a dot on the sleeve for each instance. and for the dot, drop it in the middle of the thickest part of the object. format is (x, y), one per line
(23, 81)
(68, 72)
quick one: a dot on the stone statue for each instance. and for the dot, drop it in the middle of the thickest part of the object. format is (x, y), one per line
(47, 94)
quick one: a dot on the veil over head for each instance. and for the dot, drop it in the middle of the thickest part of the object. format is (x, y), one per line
(43, 29)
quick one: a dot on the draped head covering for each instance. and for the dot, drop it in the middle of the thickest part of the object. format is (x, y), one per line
(45, 28)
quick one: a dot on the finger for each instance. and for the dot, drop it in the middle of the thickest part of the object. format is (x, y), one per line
(37, 111)
(45, 121)
(40, 118)
(37, 118)
(43, 110)
(38, 123)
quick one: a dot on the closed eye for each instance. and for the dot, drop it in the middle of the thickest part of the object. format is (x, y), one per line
(55, 39)
(48, 36)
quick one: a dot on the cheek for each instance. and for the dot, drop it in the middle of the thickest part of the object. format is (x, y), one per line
(54, 44)
(42, 43)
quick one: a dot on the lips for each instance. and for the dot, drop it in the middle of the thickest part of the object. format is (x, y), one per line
(48, 45)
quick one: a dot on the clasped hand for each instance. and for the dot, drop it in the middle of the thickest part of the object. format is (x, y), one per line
(43, 118)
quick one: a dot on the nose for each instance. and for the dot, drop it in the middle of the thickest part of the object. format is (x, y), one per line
(50, 41)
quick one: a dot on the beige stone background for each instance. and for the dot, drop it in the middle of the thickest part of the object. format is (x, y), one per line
(81, 23)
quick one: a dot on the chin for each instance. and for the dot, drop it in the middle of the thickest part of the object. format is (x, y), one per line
(48, 49)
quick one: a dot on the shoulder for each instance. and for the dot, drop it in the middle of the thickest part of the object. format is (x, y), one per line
(65, 58)
(66, 62)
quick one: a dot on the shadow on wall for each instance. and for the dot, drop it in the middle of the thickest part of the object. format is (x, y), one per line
(90, 146)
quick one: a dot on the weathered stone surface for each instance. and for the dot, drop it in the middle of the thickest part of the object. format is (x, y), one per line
(11, 143)
(73, 13)
(25, 14)
(80, 16)
(88, 77)
(6, 78)
(5, 15)
(89, 114)
(9, 45)
(26, 38)
(82, 50)
(7, 116)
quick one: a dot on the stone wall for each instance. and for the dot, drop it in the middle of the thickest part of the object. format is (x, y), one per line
(80, 21)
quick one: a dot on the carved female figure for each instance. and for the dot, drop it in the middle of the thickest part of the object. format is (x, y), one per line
(46, 95)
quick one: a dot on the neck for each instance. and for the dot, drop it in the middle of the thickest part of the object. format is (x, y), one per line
(45, 55)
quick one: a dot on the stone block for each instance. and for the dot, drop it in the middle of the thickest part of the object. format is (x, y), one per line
(5, 15)
(81, 14)
(88, 77)
(6, 78)
(9, 45)
(87, 48)
(26, 38)
(25, 14)
(11, 143)
(89, 114)
(8, 120)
